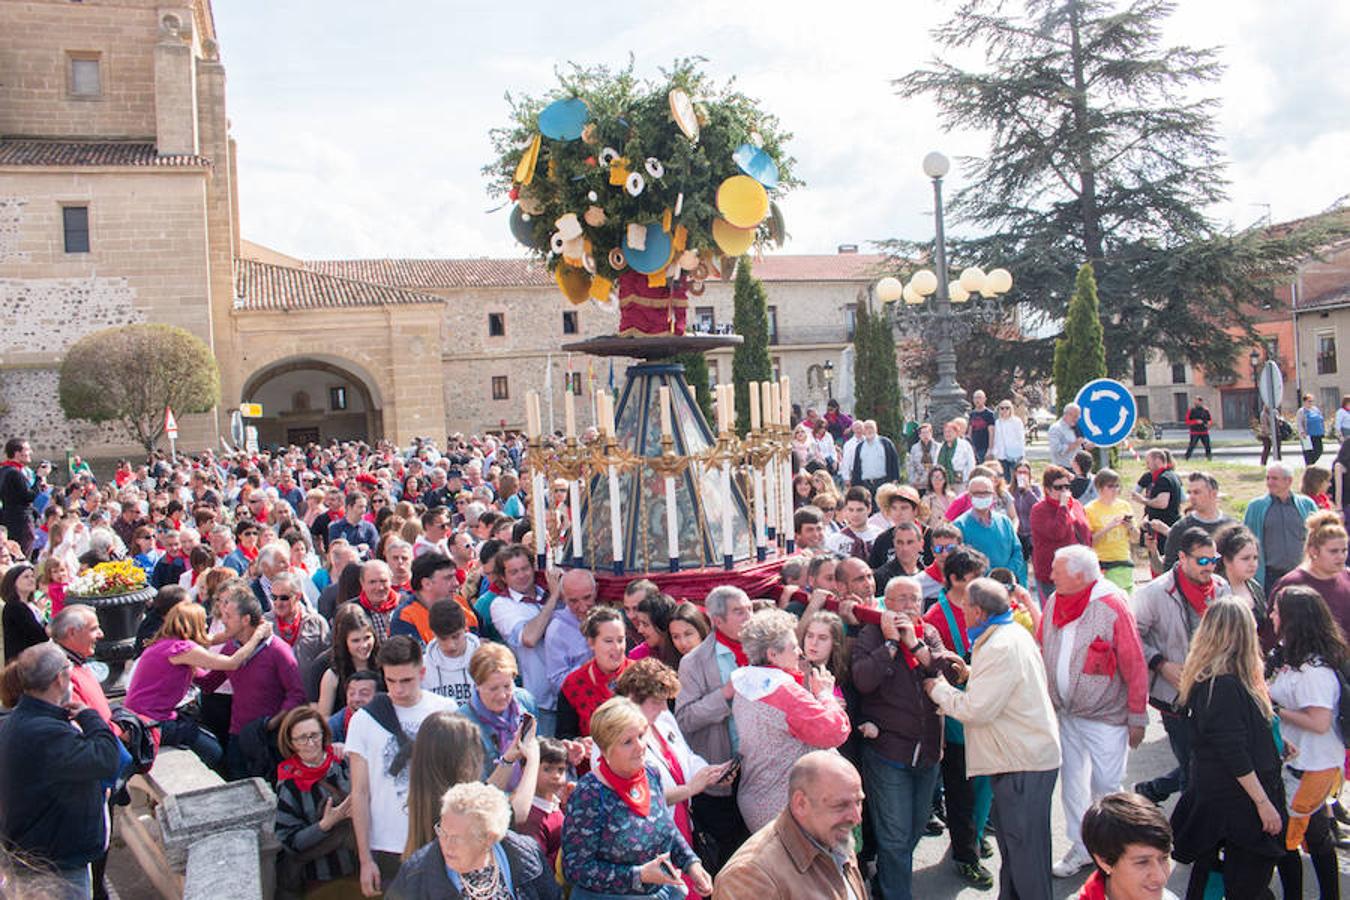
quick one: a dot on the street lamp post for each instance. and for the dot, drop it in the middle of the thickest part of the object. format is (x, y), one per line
(829, 379)
(941, 324)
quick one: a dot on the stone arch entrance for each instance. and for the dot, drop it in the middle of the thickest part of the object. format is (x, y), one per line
(308, 399)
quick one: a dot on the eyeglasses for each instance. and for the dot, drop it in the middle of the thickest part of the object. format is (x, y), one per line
(312, 738)
(287, 598)
(943, 548)
(1059, 487)
(1206, 560)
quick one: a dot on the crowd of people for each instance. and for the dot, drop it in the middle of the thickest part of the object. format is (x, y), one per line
(959, 633)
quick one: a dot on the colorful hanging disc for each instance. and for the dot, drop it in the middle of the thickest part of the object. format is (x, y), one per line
(682, 111)
(522, 229)
(757, 164)
(654, 256)
(777, 228)
(742, 200)
(733, 241)
(574, 283)
(563, 120)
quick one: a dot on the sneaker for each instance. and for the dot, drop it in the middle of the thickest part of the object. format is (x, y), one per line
(1069, 866)
(934, 827)
(975, 875)
(986, 848)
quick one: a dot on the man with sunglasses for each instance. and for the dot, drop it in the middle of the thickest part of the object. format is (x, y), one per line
(1167, 612)
(295, 623)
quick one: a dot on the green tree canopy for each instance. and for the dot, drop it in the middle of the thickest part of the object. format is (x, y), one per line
(750, 361)
(1103, 149)
(1080, 355)
(129, 374)
(876, 377)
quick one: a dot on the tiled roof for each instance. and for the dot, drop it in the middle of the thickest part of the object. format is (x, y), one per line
(263, 287)
(92, 153)
(461, 273)
(1325, 301)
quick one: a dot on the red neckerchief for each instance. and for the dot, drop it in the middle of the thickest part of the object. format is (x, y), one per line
(797, 676)
(934, 572)
(385, 606)
(193, 581)
(1199, 596)
(733, 646)
(635, 791)
(404, 587)
(589, 687)
(13, 464)
(1156, 472)
(461, 576)
(250, 554)
(290, 633)
(1068, 607)
(681, 810)
(1094, 888)
(304, 776)
(335, 514)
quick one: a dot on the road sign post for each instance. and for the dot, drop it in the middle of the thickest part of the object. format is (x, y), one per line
(171, 429)
(1108, 412)
(1271, 389)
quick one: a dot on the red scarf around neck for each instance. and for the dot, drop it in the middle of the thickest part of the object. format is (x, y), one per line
(635, 791)
(1094, 888)
(797, 675)
(288, 631)
(1199, 596)
(305, 776)
(589, 688)
(384, 606)
(1068, 607)
(13, 464)
(733, 646)
(249, 553)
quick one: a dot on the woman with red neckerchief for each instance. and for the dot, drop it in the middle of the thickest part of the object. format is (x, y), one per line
(590, 685)
(313, 809)
(1130, 840)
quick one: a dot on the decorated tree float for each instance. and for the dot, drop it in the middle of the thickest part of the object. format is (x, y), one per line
(636, 193)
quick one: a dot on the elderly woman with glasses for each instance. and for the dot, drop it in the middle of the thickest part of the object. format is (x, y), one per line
(1057, 521)
(475, 855)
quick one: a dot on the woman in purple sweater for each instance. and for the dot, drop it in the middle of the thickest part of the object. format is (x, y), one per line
(164, 673)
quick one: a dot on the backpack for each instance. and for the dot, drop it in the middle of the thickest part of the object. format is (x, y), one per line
(1343, 707)
(381, 709)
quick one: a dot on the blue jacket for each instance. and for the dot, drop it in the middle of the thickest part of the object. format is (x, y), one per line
(52, 800)
(236, 561)
(361, 533)
(997, 540)
(490, 749)
(1255, 520)
(424, 875)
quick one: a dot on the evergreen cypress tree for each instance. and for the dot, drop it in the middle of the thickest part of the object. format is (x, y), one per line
(751, 360)
(876, 377)
(1080, 355)
(696, 374)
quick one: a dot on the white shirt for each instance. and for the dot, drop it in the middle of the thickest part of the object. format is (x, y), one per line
(422, 545)
(448, 676)
(1310, 685)
(510, 615)
(873, 455)
(1010, 438)
(389, 795)
(846, 462)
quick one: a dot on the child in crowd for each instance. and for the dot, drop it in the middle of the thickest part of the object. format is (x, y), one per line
(448, 655)
(545, 822)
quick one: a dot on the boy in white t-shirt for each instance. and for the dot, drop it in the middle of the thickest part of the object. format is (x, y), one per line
(447, 660)
(379, 759)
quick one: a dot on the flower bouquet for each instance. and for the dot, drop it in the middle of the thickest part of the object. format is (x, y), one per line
(108, 579)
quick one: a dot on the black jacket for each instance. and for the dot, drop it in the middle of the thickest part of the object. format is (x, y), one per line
(52, 801)
(423, 876)
(22, 628)
(16, 506)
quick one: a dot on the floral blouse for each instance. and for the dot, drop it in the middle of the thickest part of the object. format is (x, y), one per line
(604, 843)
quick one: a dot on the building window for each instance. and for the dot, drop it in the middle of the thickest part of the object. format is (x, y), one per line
(1331, 401)
(337, 398)
(705, 319)
(569, 322)
(1326, 355)
(500, 390)
(1140, 367)
(1178, 373)
(1141, 403)
(496, 324)
(851, 320)
(1181, 405)
(773, 324)
(572, 383)
(83, 76)
(75, 225)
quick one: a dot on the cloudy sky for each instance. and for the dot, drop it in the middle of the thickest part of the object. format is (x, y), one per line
(362, 127)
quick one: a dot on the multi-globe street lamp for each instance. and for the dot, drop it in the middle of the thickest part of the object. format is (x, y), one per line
(944, 312)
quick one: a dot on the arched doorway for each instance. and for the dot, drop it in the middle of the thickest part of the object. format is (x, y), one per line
(309, 400)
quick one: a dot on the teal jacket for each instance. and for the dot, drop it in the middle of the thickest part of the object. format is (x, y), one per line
(1255, 520)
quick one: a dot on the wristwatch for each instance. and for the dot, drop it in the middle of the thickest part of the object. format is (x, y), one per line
(893, 646)
(917, 647)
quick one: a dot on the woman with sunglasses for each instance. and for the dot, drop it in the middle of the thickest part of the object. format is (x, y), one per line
(1057, 521)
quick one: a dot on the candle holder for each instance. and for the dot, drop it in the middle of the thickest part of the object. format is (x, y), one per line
(782, 450)
(669, 465)
(613, 460)
(759, 452)
(569, 462)
(539, 460)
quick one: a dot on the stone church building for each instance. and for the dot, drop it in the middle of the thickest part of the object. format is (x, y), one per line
(119, 204)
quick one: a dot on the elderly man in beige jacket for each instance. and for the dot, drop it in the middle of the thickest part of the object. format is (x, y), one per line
(1011, 735)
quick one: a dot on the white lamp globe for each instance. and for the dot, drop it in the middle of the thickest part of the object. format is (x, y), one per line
(998, 281)
(972, 279)
(924, 282)
(935, 165)
(911, 296)
(957, 294)
(889, 289)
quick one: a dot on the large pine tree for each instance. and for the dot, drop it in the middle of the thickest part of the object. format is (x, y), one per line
(751, 361)
(1103, 150)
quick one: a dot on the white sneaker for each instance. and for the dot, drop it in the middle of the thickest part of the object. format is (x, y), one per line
(1069, 865)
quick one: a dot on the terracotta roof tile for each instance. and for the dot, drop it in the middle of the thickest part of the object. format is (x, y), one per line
(264, 287)
(523, 272)
(92, 153)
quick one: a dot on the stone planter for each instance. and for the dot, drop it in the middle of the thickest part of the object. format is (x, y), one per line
(119, 615)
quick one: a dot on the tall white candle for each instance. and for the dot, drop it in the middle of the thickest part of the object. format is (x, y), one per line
(574, 504)
(569, 415)
(672, 520)
(754, 406)
(663, 394)
(540, 531)
(757, 477)
(728, 547)
(615, 519)
(770, 504)
(786, 415)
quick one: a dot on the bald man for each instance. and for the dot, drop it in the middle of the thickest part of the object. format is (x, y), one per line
(807, 852)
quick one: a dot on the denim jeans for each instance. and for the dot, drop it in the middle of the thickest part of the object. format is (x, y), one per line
(668, 892)
(899, 801)
(186, 733)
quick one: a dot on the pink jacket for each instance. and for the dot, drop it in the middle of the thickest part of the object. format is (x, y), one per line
(1108, 675)
(777, 722)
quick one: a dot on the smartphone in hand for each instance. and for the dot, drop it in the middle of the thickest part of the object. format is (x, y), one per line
(526, 722)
